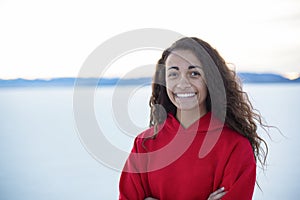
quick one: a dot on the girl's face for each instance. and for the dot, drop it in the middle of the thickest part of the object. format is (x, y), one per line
(185, 81)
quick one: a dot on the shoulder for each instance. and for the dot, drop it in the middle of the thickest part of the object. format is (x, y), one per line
(235, 141)
(140, 139)
(145, 142)
(233, 136)
(234, 149)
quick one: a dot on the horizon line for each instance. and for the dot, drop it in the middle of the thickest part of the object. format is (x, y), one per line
(287, 75)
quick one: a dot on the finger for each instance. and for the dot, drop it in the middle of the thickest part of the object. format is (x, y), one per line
(217, 191)
(219, 196)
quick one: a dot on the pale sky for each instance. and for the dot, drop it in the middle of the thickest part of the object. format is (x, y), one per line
(46, 39)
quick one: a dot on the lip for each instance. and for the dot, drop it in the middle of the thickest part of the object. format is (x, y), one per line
(185, 94)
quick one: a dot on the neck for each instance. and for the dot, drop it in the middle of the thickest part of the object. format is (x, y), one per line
(188, 117)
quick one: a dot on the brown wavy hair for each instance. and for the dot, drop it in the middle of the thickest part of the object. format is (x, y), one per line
(225, 99)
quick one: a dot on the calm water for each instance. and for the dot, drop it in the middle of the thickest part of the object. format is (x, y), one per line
(42, 157)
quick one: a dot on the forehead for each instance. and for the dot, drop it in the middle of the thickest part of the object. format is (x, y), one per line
(182, 57)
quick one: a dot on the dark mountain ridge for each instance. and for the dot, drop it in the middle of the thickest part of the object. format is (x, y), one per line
(70, 82)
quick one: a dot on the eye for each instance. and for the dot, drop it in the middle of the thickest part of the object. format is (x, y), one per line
(195, 74)
(172, 74)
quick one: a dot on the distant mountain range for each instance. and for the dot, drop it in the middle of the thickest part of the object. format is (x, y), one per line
(69, 82)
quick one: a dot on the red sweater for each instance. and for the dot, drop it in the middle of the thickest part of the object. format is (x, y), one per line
(189, 163)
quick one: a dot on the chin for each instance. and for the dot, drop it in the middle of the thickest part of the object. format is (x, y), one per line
(188, 108)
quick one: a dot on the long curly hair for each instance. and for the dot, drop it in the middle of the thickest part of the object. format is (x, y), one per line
(225, 99)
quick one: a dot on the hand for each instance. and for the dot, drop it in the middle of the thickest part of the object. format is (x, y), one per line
(217, 195)
(150, 198)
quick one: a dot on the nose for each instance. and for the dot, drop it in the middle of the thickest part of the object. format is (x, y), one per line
(183, 83)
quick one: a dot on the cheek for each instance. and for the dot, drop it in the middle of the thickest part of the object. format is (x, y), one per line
(169, 88)
(169, 84)
(201, 87)
(204, 92)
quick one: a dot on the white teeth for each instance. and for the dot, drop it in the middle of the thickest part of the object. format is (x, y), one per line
(185, 95)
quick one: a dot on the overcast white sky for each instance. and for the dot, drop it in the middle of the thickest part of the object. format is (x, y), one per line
(45, 39)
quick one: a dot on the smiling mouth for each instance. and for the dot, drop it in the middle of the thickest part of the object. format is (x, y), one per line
(185, 95)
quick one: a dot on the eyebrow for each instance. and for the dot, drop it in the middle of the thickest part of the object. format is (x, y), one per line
(173, 67)
(190, 67)
(195, 66)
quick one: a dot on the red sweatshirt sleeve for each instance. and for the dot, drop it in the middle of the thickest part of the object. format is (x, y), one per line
(132, 184)
(240, 172)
